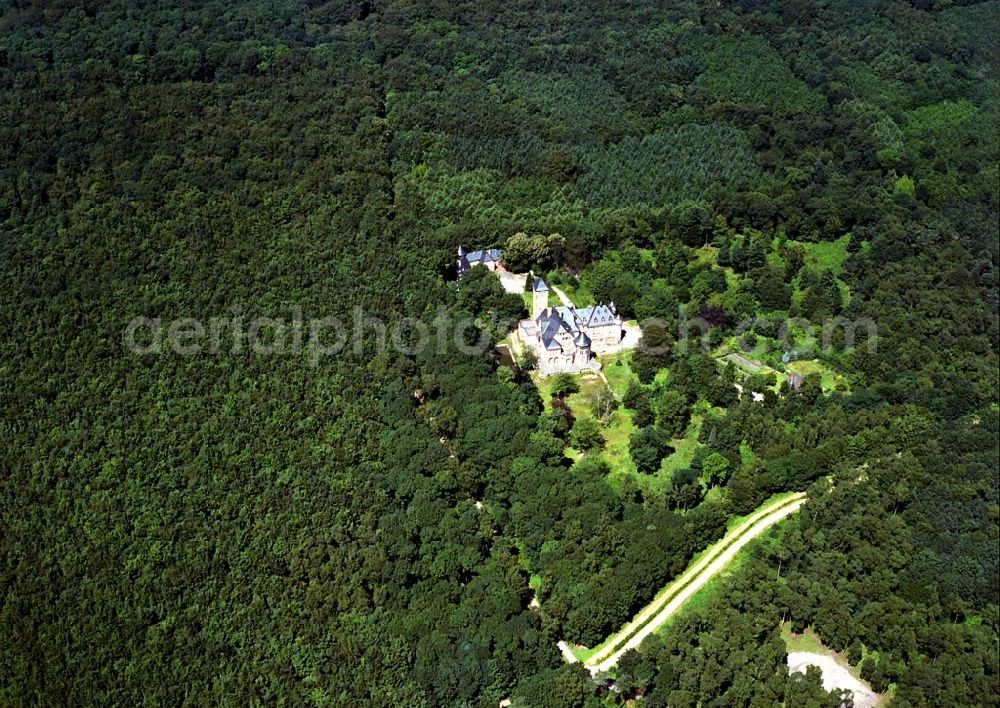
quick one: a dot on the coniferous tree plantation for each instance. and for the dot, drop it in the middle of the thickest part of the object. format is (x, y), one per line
(252, 522)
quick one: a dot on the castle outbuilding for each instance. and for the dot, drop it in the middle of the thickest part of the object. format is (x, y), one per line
(492, 258)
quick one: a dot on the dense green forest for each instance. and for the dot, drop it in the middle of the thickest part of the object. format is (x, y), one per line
(370, 529)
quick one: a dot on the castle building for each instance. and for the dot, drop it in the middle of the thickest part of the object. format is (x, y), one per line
(492, 258)
(567, 338)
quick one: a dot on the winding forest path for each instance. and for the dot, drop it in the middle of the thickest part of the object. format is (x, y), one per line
(562, 296)
(680, 590)
(566, 652)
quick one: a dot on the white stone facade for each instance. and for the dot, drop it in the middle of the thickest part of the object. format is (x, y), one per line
(567, 338)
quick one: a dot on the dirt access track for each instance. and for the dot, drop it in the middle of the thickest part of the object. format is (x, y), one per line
(677, 593)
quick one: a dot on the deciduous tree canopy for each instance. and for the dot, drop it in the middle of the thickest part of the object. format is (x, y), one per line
(370, 528)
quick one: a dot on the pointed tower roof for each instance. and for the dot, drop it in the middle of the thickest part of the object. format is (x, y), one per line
(462, 251)
(582, 340)
(540, 286)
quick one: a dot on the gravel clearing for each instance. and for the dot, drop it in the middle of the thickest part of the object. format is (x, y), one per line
(512, 282)
(834, 676)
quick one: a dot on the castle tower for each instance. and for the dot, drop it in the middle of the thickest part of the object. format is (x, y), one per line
(582, 343)
(539, 298)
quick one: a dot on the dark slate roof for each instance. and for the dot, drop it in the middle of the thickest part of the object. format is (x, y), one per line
(598, 314)
(550, 326)
(569, 316)
(490, 254)
(539, 286)
(573, 319)
(569, 320)
(468, 259)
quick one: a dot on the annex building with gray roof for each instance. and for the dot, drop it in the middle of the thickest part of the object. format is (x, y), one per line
(492, 258)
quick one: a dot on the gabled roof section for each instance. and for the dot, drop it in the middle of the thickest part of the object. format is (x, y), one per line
(583, 314)
(568, 316)
(489, 255)
(551, 326)
(469, 259)
(599, 314)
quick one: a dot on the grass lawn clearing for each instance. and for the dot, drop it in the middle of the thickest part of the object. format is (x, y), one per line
(828, 254)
